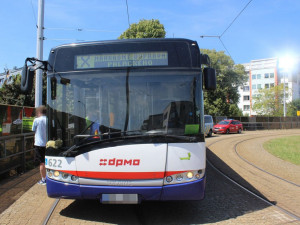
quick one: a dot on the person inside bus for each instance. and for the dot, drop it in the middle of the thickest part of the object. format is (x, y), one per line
(93, 122)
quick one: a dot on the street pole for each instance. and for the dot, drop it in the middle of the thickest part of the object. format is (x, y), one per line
(284, 108)
(39, 54)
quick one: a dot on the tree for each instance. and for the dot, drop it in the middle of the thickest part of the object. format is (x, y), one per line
(269, 101)
(223, 101)
(10, 94)
(144, 29)
(293, 107)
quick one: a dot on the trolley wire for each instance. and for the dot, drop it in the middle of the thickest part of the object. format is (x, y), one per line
(220, 36)
(236, 18)
(128, 13)
(80, 29)
(34, 14)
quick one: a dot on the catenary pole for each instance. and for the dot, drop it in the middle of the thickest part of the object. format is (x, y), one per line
(39, 54)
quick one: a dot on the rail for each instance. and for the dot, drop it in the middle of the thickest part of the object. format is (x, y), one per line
(16, 152)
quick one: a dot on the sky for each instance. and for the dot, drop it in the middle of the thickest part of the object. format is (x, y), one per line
(265, 29)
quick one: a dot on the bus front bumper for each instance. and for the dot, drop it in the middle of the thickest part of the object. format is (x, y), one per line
(185, 191)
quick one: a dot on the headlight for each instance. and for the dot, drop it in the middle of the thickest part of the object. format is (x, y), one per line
(189, 175)
(169, 179)
(184, 177)
(65, 176)
(61, 176)
(56, 173)
(179, 177)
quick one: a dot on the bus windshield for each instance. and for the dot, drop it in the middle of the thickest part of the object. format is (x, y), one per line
(127, 100)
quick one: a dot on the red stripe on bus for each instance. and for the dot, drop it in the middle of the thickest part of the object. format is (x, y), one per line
(122, 175)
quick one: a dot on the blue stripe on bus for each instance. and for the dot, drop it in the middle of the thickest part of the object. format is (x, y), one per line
(186, 191)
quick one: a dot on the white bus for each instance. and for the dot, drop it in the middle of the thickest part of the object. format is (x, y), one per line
(131, 120)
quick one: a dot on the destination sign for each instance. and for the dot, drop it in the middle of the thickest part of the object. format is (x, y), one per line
(111, 60)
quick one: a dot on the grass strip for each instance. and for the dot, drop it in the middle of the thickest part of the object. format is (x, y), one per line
(286, 148)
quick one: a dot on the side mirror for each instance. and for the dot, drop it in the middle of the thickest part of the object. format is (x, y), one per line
(53, 82)
(27, 79)
(204, 59)
(210, 81)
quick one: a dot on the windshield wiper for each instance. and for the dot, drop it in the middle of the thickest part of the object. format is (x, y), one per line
(87, 136)
(178, 137)
(125, 137)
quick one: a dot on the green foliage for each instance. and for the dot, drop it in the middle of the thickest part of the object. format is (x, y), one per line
(144, 29)
(10, 94)
(223, 101)
(293, 107)
(269, 101)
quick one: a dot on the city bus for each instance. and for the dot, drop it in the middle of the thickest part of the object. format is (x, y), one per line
(129, 117)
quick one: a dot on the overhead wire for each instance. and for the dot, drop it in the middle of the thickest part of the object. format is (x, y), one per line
(128, 14)
(34, 14)
(220, 36)
(236, 18)
(79, 29)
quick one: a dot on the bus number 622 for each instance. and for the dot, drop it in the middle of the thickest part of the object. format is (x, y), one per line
(54, 163)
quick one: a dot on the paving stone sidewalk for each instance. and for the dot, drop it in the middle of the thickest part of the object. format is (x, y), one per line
(31, 208)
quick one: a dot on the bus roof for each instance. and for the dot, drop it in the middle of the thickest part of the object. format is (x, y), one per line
(123, 41)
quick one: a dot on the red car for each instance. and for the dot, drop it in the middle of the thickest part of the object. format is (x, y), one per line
(228, 126)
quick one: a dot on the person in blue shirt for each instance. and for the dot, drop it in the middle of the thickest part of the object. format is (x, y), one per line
(40, 129)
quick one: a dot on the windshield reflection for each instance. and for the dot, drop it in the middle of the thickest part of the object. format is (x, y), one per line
(121, 102)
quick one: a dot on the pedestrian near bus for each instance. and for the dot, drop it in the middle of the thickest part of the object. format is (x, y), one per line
(39, 127)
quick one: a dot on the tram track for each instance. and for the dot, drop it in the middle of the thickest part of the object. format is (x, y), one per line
(262, 198)
(50, 212)
(257, 167)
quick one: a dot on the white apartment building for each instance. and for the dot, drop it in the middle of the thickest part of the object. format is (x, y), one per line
(266, 73)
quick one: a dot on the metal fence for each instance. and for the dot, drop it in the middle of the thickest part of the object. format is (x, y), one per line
(264, 122)
(16, 152)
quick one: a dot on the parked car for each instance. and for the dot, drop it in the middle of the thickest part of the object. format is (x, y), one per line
(228, 126)
(208, 125)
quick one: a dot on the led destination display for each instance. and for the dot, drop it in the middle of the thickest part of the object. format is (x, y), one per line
(111, 60)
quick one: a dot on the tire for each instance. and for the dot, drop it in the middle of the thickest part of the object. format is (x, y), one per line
(227, 131)
(239, 131)
(209, 133)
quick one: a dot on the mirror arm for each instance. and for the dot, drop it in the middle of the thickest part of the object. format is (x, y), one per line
(33, 61)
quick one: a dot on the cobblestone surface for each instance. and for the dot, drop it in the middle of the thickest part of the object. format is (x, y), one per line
(13, 188)
(225, 203)
(31, 208)
(282, 193)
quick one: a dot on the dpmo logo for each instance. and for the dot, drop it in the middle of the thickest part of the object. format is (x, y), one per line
(119, 162)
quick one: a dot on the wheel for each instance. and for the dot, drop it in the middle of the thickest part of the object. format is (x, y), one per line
(239, 131)
(209, 133)
(227, 131)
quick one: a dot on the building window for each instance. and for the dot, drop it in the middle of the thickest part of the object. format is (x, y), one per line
(266, 75)
(246, 107)
(253, 86)
(246, 88)
(258, 86)
(246, 97)
(271, 75)
(267, 85)
(258, 76)
(272, 85)
(253, 76)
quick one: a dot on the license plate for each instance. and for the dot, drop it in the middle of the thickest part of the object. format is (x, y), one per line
(119, 199)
